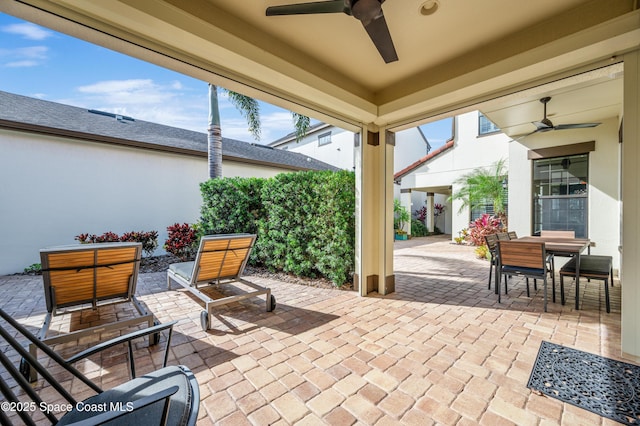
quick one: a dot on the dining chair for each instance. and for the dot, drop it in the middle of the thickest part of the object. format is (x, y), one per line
(526, 259)
(592, 267)
(558, 234)
(503, 236)
(512, 235)
(492, 244)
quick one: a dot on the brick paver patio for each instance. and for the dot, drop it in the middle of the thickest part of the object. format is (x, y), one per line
(440, 350)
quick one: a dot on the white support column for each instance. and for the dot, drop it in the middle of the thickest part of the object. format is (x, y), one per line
(431, 219)
(630, 267)
(374, 212)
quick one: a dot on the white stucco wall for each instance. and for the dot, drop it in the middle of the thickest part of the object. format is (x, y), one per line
(410, 146)
(339, 153)
(604, 183)
(469, 152)
(55, 188)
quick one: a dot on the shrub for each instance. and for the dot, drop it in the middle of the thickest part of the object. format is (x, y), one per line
(231, 205)
(484, 225)
(182, 241)
(33, 269)
(418, 229)
(421, 214)
(482, 252)
(148, 239)
(309, 224)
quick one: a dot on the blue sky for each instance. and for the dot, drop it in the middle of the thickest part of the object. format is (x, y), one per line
(41, 63)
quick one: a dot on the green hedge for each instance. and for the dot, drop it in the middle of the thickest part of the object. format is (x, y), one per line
(304, 221)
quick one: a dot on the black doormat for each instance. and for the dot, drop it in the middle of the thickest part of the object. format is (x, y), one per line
(601, 385)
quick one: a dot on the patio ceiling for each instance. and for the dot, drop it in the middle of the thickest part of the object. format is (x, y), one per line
(326, 66)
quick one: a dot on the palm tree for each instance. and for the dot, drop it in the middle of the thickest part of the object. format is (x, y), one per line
(250, 109)
(482, 185)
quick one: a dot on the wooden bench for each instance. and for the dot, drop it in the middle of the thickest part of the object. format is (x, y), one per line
(592, 267)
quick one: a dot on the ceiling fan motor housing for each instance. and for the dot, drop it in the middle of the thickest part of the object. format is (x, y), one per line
(366, 10)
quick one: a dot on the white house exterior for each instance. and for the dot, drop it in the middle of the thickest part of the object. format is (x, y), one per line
(66, 171)
(335, 146)
(437, 172)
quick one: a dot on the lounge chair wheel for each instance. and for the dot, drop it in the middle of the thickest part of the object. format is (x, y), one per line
(272, 303)
(25, 369)
(204, 320)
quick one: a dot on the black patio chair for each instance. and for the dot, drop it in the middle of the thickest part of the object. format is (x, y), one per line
(169, 395)
(492, 244)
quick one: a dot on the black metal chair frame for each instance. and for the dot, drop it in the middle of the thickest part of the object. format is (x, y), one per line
(27, 390)
(528, 267)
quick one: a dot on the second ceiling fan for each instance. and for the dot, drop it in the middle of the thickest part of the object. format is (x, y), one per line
(546, 125)
(368, 12)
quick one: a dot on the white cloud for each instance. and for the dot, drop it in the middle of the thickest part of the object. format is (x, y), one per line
(27, 30)
(24, 56)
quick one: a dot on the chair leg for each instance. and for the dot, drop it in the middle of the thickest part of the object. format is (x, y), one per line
(506, 290)
(527, 281)
(545, 293)
(606, 295)
(562, 300)
(490, 271)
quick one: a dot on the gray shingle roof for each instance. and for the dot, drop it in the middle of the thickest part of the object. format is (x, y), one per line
(30, 114)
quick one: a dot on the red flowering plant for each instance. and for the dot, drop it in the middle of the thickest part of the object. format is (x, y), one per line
(149, 239)
(182, 241)
(484, 225)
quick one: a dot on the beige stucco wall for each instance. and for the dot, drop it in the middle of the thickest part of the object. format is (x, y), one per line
(604, 183)
(469, 152)
(55, 188)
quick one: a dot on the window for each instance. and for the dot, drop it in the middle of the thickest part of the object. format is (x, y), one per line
(485, 126)
(324, 139)
(560, 194)
(487, 207)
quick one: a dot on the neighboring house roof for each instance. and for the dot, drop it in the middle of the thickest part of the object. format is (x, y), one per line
(45, 117)
(411, 167)
(292, 136)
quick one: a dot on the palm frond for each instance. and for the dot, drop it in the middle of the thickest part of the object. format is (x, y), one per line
(250, 110)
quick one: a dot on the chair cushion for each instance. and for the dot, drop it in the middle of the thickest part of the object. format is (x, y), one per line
(180, 411)
(591, 266)
(183, 269)
(533, 272)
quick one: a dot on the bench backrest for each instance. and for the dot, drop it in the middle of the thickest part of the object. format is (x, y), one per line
(86, 273)
(222, 256)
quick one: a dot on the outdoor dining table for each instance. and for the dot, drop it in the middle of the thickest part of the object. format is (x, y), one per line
(569, 247)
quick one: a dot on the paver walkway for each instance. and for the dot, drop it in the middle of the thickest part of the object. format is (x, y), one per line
(440, 350)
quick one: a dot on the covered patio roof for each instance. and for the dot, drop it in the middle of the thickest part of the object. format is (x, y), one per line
(326, 66)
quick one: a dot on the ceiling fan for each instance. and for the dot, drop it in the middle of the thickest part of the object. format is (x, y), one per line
(368, 12)
(545, 125)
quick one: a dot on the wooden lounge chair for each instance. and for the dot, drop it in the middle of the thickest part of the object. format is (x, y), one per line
(221, 259)
(75, 276)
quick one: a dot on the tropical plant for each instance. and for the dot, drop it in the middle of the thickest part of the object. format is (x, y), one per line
(482, 185)
(418, 229)
(484, 225)
(250, 110)
(400, 217)
(182, 241)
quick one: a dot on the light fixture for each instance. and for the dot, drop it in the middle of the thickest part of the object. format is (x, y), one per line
(429, 7)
